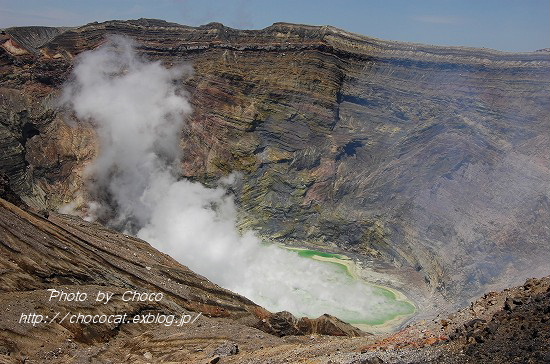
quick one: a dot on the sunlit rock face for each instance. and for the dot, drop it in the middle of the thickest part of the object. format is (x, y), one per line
(60, 263)
(426, 161)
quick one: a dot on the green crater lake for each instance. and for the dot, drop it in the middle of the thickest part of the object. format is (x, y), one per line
(376, 305)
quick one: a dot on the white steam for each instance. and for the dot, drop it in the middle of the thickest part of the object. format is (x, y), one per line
(138, 110)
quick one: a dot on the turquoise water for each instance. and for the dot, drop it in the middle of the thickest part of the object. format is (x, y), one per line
(375, 305)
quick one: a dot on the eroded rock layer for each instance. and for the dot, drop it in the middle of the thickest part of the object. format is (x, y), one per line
(74, 257)
(432, 162)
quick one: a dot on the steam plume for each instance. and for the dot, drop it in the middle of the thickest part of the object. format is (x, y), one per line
(138, 110)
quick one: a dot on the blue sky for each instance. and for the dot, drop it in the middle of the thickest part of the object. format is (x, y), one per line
(509, 25)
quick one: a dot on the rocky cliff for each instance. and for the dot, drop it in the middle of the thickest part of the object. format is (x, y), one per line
(430, 163)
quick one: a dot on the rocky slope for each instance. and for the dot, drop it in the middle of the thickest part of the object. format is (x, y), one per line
(67, 254)
(428, 163)
(51, 251)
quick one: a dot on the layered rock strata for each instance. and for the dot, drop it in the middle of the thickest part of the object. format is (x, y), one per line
(78, 260)
(427, 162)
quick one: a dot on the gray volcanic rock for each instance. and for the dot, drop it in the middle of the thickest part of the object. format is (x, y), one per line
(33, 37)
(428, 162)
